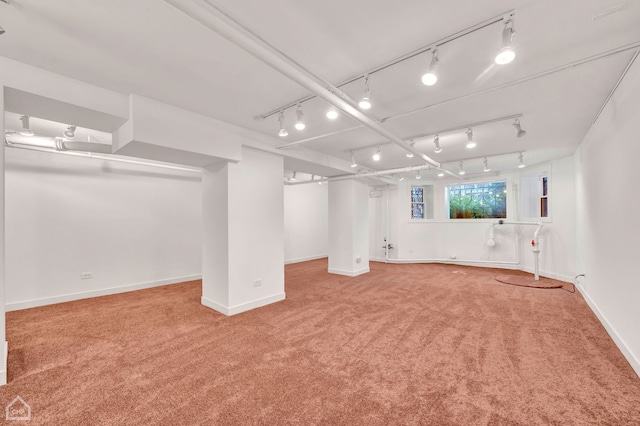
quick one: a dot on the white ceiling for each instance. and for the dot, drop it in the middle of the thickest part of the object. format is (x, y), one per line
(147, 47)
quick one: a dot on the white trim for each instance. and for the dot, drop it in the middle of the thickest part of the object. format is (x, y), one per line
(243, 307)
(552, 275)
(378, 259)
(348, 273)
(305, 259)
(626, 352)
(3, 373)
(27, 304)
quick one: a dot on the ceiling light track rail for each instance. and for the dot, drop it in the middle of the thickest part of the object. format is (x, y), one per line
(575, 64)
(448, 130)
(615, 87)
(405, 57)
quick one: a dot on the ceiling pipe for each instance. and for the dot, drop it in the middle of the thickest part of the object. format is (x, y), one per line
(213, 17)
(367, 174)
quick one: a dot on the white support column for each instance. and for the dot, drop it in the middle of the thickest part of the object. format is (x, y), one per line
(3, 342)
(243, 233)
(348, 227)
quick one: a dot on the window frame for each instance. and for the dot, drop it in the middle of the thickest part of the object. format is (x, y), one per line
(427, 201)
(447, 200)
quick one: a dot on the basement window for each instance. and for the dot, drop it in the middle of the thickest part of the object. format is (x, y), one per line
(421, 202)
(535, 190)
(484, 200)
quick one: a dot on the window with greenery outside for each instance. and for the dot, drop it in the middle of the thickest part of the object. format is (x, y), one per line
(487, 200)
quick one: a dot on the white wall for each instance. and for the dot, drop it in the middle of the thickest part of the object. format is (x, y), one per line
(441, 239)
(557, 239)
(132, 226)
(305, 222)
(607, 246)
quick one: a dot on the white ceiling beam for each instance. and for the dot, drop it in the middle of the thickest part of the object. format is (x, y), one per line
(210, 15)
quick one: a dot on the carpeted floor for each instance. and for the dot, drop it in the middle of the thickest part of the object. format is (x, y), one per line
(404, 344)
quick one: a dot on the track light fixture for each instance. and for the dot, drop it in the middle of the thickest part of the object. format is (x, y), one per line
(401, 178)
(376, 156)
(486, 165)
(461, 168)
(283, 132)
(332, 114)
(520, 132)
(470, 142)
(436, 142)
(293, 176)
(26, 130)
(418, 175)
(521, 164)
(411, 144)
(506, 53)
(365, 102)
(2, 31)
(440, 173)
(299, 118)
(70, 133)
(430, 77)
(353, 159)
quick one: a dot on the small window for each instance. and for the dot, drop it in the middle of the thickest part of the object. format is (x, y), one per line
(485, 200)
(421, 202)
(535, 190)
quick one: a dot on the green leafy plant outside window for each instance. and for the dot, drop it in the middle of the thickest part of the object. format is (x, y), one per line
(487, 200)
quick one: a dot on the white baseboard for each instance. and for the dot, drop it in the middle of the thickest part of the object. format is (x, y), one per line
(378, 259)
(631, 358)
(27, 304)
(243, 307)
(349, 273)
(3, 372)
(551, 275)
(305, 259)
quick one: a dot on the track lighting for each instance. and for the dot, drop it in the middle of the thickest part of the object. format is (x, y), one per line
(293, 176)
(486, 165)
(401, 178)
(440, 173)
(2, 31)
(353, 160)
(299, 118)
(70, 133)
(332, 114)
(436, 142)
(418, 175)
(411, 144)
(430, 77)
(461, 168)
(520, 132)
(365, 102)
(470, 142)
(376, 156)
(521, 164)
(26, 130)
(506, 53)
(283, 132)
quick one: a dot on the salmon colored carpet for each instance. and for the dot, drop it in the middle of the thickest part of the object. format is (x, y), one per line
(404, 344)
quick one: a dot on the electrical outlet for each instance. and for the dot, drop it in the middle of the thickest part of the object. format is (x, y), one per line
(257, 283)
(86, 275)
